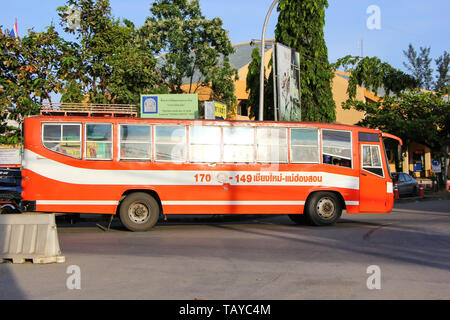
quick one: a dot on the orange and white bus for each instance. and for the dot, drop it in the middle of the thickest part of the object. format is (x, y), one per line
(144, 168)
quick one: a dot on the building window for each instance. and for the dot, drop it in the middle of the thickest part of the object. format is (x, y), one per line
(63, 138)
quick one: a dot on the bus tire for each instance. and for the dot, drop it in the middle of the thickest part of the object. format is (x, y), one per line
(323, 208)
(139, 212)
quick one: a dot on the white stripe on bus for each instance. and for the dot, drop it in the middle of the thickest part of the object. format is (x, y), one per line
(76, 202)
(255, 203)
(184, 203)
(74, 175)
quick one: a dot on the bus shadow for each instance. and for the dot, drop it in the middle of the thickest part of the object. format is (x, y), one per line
(432, 252)
(386, 240)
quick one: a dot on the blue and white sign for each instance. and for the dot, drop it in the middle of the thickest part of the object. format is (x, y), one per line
(150, 105)
(436, 166)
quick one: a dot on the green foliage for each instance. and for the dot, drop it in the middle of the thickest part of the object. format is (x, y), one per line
(412, 115)
(195, 49)
(419, 65)
(30, 73)
(443, 77)
(373, 74)
(300, 26)
(109, 63)
(252, 87)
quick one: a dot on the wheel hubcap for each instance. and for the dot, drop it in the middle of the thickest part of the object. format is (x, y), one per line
(326, 208)
(138, 212)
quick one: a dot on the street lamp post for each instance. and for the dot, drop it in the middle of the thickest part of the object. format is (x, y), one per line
(261, 75)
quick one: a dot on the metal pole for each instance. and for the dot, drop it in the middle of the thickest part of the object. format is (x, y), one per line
(261, 75)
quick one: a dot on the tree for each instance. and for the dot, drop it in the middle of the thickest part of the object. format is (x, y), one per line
(442, 78)
(109, 63)
(300, 26)
(411, 114)
(195, 49)
(252, 87)
(373, 74)
(419, 64)
(30, 71)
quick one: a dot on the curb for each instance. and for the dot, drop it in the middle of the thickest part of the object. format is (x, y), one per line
(425, 198)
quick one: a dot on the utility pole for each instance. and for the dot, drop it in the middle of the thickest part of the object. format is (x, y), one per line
(261, 75)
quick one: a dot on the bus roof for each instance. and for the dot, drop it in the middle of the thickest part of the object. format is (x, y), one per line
(203, 121)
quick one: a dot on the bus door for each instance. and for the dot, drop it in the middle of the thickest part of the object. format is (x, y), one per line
(372, 179)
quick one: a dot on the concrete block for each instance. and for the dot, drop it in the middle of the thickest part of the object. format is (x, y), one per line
(29, 237)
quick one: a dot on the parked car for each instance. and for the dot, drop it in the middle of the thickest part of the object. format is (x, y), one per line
(10, 190)
(407, 185)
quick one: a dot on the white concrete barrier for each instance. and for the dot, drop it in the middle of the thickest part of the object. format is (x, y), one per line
(32, 237)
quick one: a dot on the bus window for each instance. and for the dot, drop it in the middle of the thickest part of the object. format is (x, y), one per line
(368, 137)
(337, 148)
(135, 142)
(371, 159)
(170, 143)
(304, 145)
(239, 144)
(63, 138)
(271, 145)
(98, 141)
(204, 144)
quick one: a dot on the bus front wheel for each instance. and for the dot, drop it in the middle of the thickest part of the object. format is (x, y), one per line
(139, 212)
(323, 208)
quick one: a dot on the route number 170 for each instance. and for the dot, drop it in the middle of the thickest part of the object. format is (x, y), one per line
(202, 177)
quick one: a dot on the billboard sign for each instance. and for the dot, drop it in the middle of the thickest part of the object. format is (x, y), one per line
(436, 166)
(10, 157)
(215, 110)
(287, 83)
(169, 106)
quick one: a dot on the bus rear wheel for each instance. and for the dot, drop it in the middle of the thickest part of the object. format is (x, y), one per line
(323, 208)
(139, 212)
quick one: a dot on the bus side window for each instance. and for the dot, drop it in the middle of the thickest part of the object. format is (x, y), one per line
(62, 138)
(337, 148)
(271, 145)
(170, 143)
(238, 144)
(371, 158)
(98, 141)
(204, 143)
(135, 142)
(304, 145)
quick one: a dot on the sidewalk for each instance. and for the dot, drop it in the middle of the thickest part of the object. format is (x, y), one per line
(429, 196)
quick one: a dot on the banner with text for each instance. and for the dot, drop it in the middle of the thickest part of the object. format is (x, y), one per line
(169, 106)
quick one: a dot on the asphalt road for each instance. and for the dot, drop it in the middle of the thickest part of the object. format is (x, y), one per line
(256, 258)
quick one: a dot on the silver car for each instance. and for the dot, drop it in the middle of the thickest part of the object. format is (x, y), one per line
(407, 185)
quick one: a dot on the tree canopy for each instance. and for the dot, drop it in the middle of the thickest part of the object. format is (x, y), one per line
(300, 26)
(194, 50)
(109, 60)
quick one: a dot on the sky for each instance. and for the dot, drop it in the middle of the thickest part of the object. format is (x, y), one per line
(392, 26)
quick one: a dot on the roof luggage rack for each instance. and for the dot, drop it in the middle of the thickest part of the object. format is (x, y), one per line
(88, 109)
